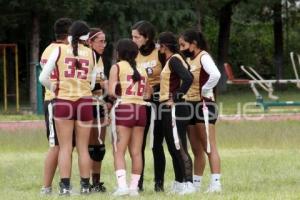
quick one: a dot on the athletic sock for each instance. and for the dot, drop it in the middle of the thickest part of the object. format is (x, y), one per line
(121, 178)
(95, 178)
(215, 178)
(197, 180)
(85, 181)
(66, 182)
(134, 181)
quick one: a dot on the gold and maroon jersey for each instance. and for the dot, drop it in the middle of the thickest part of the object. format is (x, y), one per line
(169, 80)
(152, 66)
(100, 77)
(44, 58)
(200, 77)
(130, 91)
(74, 83)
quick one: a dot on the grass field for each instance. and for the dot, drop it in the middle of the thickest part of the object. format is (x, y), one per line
(230, 103)
(260, 160)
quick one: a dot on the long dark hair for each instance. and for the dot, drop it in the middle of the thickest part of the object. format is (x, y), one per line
(170, 41)
(193, 35)
(147, 30)
(77, 29)
(128, 50)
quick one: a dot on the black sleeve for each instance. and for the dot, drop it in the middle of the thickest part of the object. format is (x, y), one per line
(186, 77)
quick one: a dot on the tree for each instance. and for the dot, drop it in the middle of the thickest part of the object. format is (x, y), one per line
(223, 10)
(278, 39)
(36, 18)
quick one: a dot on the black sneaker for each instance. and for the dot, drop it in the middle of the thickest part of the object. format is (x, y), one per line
(159, 186)
(64, 190)
(85, 188)
(98, 187)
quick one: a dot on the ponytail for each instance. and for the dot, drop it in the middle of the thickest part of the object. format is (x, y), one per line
(75, 42)
(128, 51)
(79, 30)
(136, 75)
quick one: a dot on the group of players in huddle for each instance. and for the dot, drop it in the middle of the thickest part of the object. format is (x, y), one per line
(160, 87)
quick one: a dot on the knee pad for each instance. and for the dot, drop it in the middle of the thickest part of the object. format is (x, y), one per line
(97, 152)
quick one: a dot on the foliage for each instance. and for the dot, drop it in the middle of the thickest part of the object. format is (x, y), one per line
(251, 37)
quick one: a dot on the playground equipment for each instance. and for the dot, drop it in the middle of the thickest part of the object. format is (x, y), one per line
(4, 48)
(267, 85)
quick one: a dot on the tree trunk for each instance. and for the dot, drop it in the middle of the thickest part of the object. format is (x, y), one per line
(34, 59)
(199, 16)
(223, 43)
(278, 40)
(223, 40)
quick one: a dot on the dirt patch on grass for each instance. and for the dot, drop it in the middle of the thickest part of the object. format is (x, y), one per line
(18, 125)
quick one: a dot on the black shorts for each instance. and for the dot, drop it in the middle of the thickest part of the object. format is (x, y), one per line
(197, 112)
(101, 110)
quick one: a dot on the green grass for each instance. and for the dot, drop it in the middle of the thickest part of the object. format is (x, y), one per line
(260, 160)
(236, 100)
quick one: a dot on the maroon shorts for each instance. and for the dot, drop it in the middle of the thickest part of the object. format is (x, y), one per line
(81, 110)
(131, 115)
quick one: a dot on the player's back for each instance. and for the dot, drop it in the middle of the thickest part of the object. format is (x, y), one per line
(74, 82)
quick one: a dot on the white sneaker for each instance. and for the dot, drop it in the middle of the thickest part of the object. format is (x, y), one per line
(197, 187)
(214, 188)
(121, 191)
(46, 190)
(188, 188)
(177, 187)
(133, 192)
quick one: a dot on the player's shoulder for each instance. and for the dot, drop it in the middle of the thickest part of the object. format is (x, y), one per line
(53, 46)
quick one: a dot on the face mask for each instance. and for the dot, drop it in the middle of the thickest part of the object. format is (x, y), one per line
(187, 53)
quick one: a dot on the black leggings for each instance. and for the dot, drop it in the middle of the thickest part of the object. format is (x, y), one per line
(182, 162)
(157, 150)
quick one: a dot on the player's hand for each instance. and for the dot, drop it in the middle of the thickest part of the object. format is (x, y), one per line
(170, 103)
(207, 94)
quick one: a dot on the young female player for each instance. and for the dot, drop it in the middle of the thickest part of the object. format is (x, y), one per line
(100, 111)
(61, 27)
(143, 34)
(128, 83)
(206, 76)
(175, 82)
(73, 102)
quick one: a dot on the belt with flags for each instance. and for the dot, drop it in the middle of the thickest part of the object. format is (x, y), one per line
(51, 125)
(100, 101)
(151, 126)
(174, 127)
(113, 123)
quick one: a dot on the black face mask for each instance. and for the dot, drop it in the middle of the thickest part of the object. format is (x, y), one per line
(187, 53)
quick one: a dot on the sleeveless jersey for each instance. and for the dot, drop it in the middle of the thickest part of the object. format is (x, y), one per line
(74, 83)
(44, 58)
(200, 77)
(170, 81)
(152, 66)
(130, 91)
